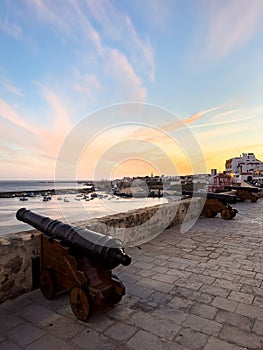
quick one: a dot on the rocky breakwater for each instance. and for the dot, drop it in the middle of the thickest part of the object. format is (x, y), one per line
(19, 253)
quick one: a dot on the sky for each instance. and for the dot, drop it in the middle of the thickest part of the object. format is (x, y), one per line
(105, 89)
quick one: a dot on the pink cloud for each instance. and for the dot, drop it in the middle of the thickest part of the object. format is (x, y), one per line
(118, 26)
(233, 24)
(87, 85)
(8, 112)
(129, 83)
(12, 88)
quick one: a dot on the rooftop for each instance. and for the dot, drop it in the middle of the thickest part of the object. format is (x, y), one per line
(199, 290)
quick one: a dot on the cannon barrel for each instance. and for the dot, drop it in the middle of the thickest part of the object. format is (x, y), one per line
(225, 198)
(245, 188)
(103, 250)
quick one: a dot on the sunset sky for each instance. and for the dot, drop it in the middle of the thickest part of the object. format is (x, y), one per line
(118, 88)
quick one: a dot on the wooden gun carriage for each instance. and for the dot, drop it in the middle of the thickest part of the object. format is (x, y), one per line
(79, 261)
(216, 203)
(243, 193)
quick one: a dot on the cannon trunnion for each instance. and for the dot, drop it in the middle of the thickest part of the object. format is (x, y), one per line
(80, 266)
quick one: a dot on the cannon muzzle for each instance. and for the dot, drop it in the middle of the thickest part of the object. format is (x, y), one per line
(103, 250)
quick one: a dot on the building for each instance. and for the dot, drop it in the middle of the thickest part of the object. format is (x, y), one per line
(213, 172)
(218, 182)
(240, 168)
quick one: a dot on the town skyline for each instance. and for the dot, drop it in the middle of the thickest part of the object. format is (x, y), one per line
(128, 87)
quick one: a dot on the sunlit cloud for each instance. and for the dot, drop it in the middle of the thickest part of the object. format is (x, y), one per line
(44, 141)
(87, 85)
(7, 112)
(60, 120)
(119, 27)
(241, 116)
(232, 25)
(151, 134)
(73, 21)
(86, 27)
(143, 47)
(128, 82)
(189, 120)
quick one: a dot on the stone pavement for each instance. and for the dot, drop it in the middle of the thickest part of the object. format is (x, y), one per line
(199, 290)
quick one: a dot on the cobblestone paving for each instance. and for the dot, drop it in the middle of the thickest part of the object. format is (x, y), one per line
(199, 290)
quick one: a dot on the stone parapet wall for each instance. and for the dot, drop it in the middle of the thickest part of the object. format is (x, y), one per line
(16, 254)
(18, 251)
(139, 226)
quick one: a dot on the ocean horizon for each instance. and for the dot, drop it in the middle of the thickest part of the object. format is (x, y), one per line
(67, 207)
(38, 185)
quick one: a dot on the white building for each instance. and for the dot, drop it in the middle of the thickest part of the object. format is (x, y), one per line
(241, 167)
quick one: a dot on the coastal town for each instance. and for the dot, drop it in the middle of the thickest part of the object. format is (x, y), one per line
(199, 289)
(245, 169)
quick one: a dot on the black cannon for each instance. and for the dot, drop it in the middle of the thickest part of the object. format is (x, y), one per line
(78, 260)
(216, 203)
(244, 193)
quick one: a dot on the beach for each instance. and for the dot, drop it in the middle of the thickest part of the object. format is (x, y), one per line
(68, 208)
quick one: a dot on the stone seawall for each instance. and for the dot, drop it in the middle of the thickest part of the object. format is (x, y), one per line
(19, 253)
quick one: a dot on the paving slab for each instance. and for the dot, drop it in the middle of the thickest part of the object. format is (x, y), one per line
(202, 289)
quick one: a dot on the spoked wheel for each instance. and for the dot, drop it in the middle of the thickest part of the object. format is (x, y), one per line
(47, 283)
(80, 303)
(227, 214)
(254, 199)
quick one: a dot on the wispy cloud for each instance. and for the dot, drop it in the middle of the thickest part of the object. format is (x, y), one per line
(60, 121)
(158, 133)
(7, 112)
(74, 20)
(233, 24)
(87, 85)
(175, 125)
(46, 140)
(128, 82)
(12, 88)
(9, 28)
(119, 27)
(238, 115)
(144, 48)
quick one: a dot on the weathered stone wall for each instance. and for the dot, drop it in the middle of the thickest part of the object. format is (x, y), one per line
(16, 254)
(134, 227)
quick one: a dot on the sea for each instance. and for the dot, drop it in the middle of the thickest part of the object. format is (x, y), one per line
(71, 208)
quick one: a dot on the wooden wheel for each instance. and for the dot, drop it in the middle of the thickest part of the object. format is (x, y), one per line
(227, 214)
(80, 303)
(254, 199)
(47, 283)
